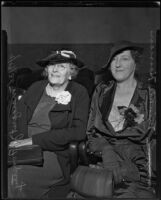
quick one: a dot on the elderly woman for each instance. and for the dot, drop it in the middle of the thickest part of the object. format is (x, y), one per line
(53, 113)
(121, 123)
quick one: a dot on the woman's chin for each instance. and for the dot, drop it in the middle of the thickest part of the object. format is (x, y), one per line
(119, 79)
(54, 82)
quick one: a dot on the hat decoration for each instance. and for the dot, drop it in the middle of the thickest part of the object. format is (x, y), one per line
(61, 56)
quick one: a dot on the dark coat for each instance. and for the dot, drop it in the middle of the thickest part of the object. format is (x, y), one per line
(101, 106)
(68, 122)
(130, 143)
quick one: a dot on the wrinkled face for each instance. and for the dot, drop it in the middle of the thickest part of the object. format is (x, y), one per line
(123, 66)
(59, 73)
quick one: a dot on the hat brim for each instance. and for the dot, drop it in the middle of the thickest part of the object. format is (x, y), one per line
(46, 61)
(139, 49)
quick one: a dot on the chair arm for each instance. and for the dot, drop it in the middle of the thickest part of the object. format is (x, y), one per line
(82, 148)
(79, 155)
(73, 151)
(85, 157)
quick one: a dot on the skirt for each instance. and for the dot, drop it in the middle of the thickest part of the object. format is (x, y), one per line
(27, 181)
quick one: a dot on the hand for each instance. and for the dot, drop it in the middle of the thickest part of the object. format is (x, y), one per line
(124, 171)
(130, 171)
(96, 144)
(20, 143)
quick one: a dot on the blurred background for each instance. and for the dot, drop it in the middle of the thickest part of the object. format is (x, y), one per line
(33, 32)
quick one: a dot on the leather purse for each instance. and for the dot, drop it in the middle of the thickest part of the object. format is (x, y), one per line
(25, 155)
(92, 182)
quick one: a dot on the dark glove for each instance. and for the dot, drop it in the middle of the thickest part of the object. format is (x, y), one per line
(123, 171)
(96, 143)
(129, 171)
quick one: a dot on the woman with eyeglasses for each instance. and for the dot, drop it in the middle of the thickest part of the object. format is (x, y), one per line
(53, 113)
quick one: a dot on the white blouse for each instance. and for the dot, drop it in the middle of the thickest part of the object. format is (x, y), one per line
(116, 119)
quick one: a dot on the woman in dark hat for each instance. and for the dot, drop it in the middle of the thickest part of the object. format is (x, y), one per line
(122, 123)
(53, 113)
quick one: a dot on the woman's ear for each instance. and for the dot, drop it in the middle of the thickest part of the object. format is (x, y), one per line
(45, 72)
(136, 67)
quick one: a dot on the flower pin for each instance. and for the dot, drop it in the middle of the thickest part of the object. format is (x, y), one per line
(63, 97)
(131, 114)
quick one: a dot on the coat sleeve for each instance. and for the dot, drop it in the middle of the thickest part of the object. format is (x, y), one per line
(20, 114)
(76, 132)
(93, 111)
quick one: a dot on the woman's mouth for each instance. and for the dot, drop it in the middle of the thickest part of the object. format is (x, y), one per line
(55, 75)
(119, 70)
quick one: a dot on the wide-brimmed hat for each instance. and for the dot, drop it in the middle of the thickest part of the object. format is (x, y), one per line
(120, 46)
(62, 56)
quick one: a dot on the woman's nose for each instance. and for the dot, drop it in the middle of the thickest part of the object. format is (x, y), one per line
(55, 68)
(117, 63)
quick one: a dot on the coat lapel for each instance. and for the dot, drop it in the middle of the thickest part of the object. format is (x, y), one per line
(106, 105)
(107, 101)
(34, 97)
(139, 94)
(138, 99)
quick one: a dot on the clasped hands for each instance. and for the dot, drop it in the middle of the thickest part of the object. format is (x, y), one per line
(20, 143)
(96, 143)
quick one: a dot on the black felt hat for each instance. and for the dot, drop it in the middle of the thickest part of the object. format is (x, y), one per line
(119, 47)
(63, 56)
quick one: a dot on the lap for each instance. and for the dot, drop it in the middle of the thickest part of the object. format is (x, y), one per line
(133, 190)
(129, 190)
(33, 181)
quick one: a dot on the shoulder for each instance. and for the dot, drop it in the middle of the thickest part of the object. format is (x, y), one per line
(36, 87)
(146, 88)
(38, 84)
(103, 87)
(79, 94)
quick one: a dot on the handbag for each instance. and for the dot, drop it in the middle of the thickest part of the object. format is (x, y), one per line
(92, 182)
(25, 155)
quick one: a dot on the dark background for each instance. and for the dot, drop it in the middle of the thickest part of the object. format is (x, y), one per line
(33, 32)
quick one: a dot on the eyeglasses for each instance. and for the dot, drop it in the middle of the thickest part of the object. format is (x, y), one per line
(60, 67)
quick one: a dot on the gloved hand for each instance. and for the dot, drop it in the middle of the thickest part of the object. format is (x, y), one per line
(129, 171)
(124, 171)
(96, 143)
